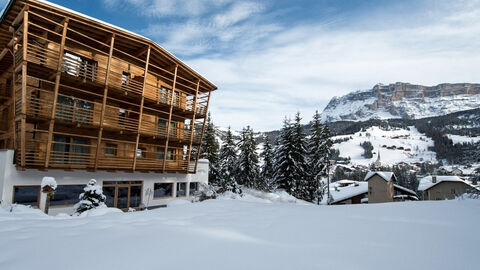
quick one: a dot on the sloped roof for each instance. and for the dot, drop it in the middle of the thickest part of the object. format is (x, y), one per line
(110, 28)
(343, 193)
(427, 183)
(387, 176)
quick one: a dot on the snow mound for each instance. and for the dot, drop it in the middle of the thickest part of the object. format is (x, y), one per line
(251, 195)
(100, 211)
(19, 211)
(176, 202)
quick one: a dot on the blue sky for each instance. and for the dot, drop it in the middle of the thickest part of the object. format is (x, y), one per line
(274, 58)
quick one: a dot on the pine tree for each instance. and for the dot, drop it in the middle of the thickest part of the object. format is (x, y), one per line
(267, 180)
(299, 156)
(228, 160)
(92, 197)
(247, 166)
(209, 150)
(285, 174)
(319, 151)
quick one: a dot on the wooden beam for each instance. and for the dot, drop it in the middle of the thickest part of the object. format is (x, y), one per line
(20, 15)
(141, 51)
(59, 27)
(141, 109)
(3, 53)
(192, 126)
(104, 103)
(24, 88)
(169, 119)
(108, 39)
(55, 95)
(203, 130)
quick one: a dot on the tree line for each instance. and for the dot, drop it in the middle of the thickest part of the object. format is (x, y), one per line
(293, 161)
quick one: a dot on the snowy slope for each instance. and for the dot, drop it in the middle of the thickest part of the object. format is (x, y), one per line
(242, 234)
(411, 139)
(403, 100)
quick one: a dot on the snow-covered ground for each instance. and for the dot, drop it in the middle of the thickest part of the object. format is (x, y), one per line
(412, 140)
(256, 232)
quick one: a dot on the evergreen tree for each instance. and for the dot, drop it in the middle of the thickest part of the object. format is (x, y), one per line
(299, 156)
(284, 164)
(267, 181)
(209, 150)
(247, 166)
(318, 153)
(92, 197)
(228, 159)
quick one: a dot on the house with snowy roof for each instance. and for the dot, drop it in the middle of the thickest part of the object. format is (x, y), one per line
(81, 98)
(374, 189)
(444, 187)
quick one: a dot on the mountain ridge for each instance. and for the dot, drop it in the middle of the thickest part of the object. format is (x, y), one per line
(403, 100)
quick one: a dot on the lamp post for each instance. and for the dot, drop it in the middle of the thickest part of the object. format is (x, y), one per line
(331, 163)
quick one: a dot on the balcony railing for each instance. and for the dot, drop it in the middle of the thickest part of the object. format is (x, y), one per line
(89, 70)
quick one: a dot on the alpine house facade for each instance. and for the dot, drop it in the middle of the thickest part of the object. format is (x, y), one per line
(81, 99)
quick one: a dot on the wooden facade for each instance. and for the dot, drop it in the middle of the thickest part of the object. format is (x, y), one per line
(76, 93)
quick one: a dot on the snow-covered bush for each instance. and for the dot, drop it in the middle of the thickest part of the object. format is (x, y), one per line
(91, 198)
(205, 192)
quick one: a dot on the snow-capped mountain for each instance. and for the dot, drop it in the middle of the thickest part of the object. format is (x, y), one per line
(403, 100)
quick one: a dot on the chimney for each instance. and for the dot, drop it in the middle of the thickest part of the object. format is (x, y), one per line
(434, 179)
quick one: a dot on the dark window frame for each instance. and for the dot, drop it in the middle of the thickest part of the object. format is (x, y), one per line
(27, 186)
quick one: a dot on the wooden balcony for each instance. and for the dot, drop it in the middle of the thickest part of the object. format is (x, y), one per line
(125, 82)
(80, 153)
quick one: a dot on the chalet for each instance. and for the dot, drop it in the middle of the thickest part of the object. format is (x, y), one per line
(355, 192)
(81, 99)
(445, 187)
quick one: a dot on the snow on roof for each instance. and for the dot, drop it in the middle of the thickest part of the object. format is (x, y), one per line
(90, 18)
(405, 189)
(426, 182)
(387, 176)
(339, 193)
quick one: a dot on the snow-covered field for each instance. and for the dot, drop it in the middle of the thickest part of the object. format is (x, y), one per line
(271, 232)
(413, 146)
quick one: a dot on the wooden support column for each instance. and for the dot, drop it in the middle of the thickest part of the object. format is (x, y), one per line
(170, 118)
(14, 94)
(192, 126)
(203, 130)
(104, 103)
(141, 109)
(24, 88)
(55, 93)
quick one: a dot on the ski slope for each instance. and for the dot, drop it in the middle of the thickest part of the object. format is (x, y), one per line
(254, 232)
(416, 142)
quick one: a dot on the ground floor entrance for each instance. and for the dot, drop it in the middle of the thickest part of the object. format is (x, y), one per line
(123, 194)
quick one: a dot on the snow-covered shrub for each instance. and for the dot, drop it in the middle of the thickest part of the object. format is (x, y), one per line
(91, 198)
(205, 192)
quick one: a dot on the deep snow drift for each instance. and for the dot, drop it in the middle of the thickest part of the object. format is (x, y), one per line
(248, 233)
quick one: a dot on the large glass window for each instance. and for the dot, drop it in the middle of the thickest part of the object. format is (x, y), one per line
(193, 188)
(162, 190)
(27, 195)
(181, 189)
(162, 127)
(79, 66)
(142, 152)
(66, 194)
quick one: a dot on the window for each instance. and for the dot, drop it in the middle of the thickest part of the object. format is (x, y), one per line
(161, 153)
(64, 110)
(193, 188)
(70, 150)
(27, 195)
(110, 149)
(453, 191)
(162, 127)
(83, 111)
(181, 189)
(142, 152)
(79, 66)
(74, 110)
(66, 194)
(125, 77)
(162, 190)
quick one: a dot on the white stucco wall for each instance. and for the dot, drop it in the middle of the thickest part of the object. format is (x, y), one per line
(10, 177)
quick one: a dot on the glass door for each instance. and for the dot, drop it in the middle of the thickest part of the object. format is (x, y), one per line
(123, 194)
